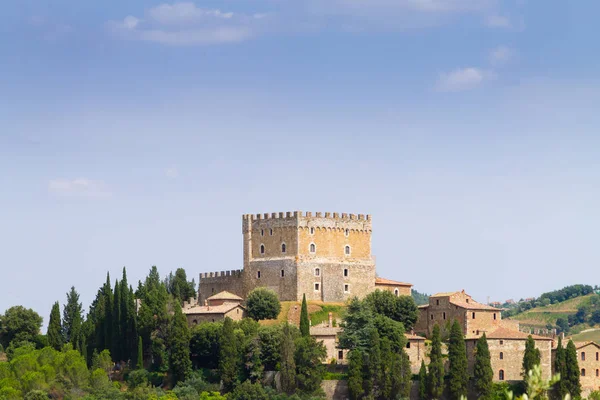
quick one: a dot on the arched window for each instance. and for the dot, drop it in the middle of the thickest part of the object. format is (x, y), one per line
(313, 248)
(262, 232)
(271, 232)
(195, 322)
(317, 272)
(347, 233)
(283, 247)
(444, 315)
(501, 375)
(501, 355)
(347, 250)
(396, 292)
(312, 231)
(262, 249)
(582, 371)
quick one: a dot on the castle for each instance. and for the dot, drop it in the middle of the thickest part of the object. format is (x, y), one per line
(326, 256)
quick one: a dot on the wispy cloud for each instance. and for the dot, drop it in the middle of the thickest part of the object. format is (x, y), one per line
(172, 173)
(501, 55)
(433, 6)
(185, 24)
(463, 79)
(81, 187)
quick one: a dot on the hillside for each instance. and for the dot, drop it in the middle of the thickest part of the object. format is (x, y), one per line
(318, 312)
(542, 316)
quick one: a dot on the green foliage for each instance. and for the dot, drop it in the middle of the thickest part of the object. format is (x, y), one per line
(140, 354)
(205, 344)
(36, 395)
(178, 286)
(355, 374)
(270, 338)
(287, 362)
(457, 355)
(423, 381)
(358, 323)
(482, 371)
(180, 364)
(253, 365)
(435, 376)
(560, 367)
(308, 358)
(262, 303)
(73, 319)
(399, 308)
(19, 323)
(248, 391)
(420, 298)
(137, 378)
(55, 338)
(304, 322)
(229, 356)
(531, 357)
(572, 383)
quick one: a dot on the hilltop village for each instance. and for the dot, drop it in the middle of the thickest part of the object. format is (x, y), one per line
(327, 258)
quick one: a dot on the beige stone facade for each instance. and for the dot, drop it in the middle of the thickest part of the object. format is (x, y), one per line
(326, 256)
(398, 288)
(588, 358)
(216, 308)
(416, 351)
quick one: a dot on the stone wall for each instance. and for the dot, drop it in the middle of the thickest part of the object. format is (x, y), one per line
(211, 283)
(272, 277)
(332, 280)
(588, 358)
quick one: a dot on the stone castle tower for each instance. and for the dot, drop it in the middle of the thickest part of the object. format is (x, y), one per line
(325, 256)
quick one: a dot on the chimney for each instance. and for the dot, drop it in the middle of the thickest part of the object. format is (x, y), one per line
(330, 319)
(206, 305)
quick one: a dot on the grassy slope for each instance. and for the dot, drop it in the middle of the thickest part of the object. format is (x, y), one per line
(540, 316)
(318, 312)
(587, 336)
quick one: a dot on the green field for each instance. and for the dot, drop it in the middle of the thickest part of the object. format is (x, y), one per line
(593, 335)
(541, 316)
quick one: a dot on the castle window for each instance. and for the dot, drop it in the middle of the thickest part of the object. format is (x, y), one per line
(347, 233)
(346, 288)
(312, 231)
(473, 315)
(396, 292)
(262, 249)
(347, 250)
(444, 314)
(582, 371)
(501, 375)
(345, 271)
(501, 355)
(283, 247)
(313, 248)
(598, 372)
(408, 345)
(213, 290)
(238, 311)
(437, 302)
(317, 272)
(262, 232)
(258, 274)
(502, 342)
(494, 315)
(271, 232)
(340, 355)
(317, 286)
(583, 356)
(467, 300)
(596, 356)
(282, 273)
(195, 322)
(432, 317)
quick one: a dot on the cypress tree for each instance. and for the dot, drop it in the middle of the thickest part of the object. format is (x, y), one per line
(125, 327)
(228, 357)
(180, 364)
(560, 367)
(304, 322)
(55, 337)
(355, 374)
(140, 354)
(72, 319)
(423, 381)
(435, 377)
(390, 368)
(572, 383)
(108, 312)
(457, 355)
(531, 357)
(373, 381)
(117, 338)
(288, 363)
(401, 374)
(482, 372)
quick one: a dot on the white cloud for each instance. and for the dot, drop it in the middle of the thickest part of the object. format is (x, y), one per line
(429, 6)
(462, 79)
(81, 187)
(185, 24)
(172, 173)
(501, 55)
(498, 21)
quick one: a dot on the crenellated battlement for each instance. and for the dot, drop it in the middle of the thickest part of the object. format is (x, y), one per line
(221, 274)
(308, 214)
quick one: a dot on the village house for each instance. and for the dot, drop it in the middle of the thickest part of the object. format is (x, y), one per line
(216, 308)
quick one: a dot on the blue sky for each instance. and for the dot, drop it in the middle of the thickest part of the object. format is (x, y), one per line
(137, 133)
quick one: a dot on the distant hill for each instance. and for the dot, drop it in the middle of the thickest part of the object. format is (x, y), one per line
(420, 298)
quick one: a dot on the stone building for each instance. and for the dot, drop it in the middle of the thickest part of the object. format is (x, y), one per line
(325, 256)
(507, 348)
(398, 288)
(588, 358)
(443, 308)
(215, 308)
(416, 351)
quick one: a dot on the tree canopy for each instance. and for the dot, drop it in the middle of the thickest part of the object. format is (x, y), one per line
(262, 303)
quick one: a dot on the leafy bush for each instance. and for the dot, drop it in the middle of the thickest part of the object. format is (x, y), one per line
(263, 303)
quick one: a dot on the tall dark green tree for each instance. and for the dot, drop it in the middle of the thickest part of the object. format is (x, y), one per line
(355, 374)
(117, 335)
(304, 322)
(482, 371)
(373, 376)
(423, 381)
(560, 367)
(140, 354)
(288, 363)
(180, 364)
(72, 319)
(55, 332)
(531, 357)
(435, 376)
(107, 320)
(457, 357)
(179, 287)
(229, 356)
(308, 357)
(572, 383)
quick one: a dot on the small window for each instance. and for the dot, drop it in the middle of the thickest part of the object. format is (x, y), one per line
(283, 247)
(596, 356)
(467, 300)
(473, 315)
(501, 355)
(271, 232)
(437, 302)
(494, 315)
(213, 320)
(347, 250)
(432, 317)
(345, 271)
(347, 232)
(408, 345)
(598, 372)
(312, 231)
(346, 288)
(237, 311)
(396, 292)
(340, 355)
(282, 273)
(317, 286)
(213, 290)
(502, 342)
(195, 322)
(262, 232)
(582, 371)
(258, 274)
(444, 314)
(583, 356)
(313, 248)
(317, 272)
(501, 375)
(262, 249)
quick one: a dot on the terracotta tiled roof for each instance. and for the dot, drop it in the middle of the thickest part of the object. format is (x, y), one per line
(509, 334)
(383, 281)
(221, 309)
(444, 294)
(579, 345)
(474, 306)
(225, 295)
(410, 336)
